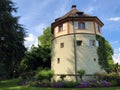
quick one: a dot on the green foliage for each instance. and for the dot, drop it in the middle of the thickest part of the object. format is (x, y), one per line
(44, 75)
(105, 53)
(81, 73)
(111, 77)
(36, 57)
(70, 84)
(11, 39)
(45, 40)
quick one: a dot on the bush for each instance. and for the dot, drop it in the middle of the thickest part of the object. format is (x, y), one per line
(44, 75)
(81, 73)
(71, 84)
(27, 75)
(100, 76)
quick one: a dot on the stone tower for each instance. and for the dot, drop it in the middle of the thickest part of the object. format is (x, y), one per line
(75, 45)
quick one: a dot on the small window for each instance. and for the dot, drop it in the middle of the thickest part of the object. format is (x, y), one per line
(92, 42)
(94, 59)
(61, 45)
(58, 60)
(99, 29)
(61, 28)
(79, 43)
(81, 25)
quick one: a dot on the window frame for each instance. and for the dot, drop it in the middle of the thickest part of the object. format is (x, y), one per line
(58, 60)
(60, 27)
(81, 25)
(92, 42)
(79, 42)
(62, 45)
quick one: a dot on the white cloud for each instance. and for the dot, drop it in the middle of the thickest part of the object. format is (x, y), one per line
(114, 19)
(31, 40)
(116, 56)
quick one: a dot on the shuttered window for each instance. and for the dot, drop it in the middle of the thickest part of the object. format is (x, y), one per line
(80, 25)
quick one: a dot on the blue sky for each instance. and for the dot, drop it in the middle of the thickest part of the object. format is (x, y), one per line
(38, 14)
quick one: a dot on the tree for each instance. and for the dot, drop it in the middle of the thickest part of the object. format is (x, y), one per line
(11, 39)
(39, 56)
(45, 40)
(36, 57)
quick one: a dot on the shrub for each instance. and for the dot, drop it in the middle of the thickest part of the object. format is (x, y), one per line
(44, 75)
(81, 73)
(27, 75)
(71, 84)
(100, 75)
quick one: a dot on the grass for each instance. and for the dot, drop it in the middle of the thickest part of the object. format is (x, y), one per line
(12, 85)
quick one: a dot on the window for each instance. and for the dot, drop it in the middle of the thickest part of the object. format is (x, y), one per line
(94, 59)
(58, 60)
(97, 27)
(61, 45)
(79, 43)
(61, 28)
(92, 42)
(81, 25)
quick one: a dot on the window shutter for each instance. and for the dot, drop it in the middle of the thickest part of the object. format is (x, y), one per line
(97, 43)
(86, 25)
(76, 25)
(88, 42)
(56, 30)
(96, 26)
(64, 26)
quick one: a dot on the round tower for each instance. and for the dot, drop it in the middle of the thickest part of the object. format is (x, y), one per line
(75, 46)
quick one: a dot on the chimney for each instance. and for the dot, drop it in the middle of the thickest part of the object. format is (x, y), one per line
(73, 7)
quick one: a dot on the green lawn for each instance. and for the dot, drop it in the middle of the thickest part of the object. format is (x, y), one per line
(11, 85)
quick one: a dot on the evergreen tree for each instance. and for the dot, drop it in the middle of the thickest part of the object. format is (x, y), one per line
(11, 39)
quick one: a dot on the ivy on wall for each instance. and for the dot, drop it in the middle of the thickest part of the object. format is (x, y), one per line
(105, 53)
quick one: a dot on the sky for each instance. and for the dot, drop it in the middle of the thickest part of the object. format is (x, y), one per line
(36, 15)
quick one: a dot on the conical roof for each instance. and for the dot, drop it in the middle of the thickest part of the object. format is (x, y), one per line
(73, 13)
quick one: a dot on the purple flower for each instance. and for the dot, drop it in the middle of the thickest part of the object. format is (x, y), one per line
(105, 83)
(58, 85)
(83, 85)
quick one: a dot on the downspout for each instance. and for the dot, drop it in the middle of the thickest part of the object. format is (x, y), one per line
(75, 52)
